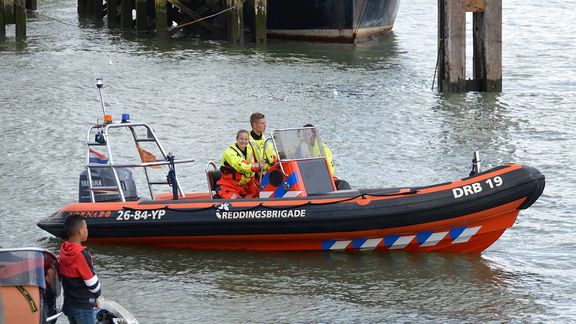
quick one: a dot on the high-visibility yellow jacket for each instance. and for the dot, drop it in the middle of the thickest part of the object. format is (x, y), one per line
(241, 166)
(329, 158)
(268, 154)
(304, 151)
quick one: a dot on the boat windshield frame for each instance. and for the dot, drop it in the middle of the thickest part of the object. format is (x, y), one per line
(301, 143)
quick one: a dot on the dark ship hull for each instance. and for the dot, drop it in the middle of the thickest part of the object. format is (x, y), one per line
(346, 21)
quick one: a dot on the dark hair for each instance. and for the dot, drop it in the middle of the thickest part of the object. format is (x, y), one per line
(256, 116)
(308, 125)
(240, 132)
(72, 224)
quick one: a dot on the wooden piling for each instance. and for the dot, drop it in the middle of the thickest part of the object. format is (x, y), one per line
(487, 61)
(98, 9)
(82, 8)
(31, 4)
(260, 13)
(141, 19)
(487, 42)
(126, 7)
(235, 22)
(20, 18)
(9, 12)
(161, 18)
(452, 46)
(112, 12)
(2, 21)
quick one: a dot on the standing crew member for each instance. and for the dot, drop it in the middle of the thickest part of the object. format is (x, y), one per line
(79, 280)
(238, 170)
(340, 183)
(257, 140)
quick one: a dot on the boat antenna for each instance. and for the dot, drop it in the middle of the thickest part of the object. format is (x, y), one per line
(99, 85)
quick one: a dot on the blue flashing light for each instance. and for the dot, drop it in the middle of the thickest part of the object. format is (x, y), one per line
(125, 118)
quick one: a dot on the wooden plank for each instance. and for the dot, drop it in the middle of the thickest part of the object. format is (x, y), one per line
(452, 42)
(20, 18)
(161, 18)
(474, 5)
(2, 21)
(260, 14)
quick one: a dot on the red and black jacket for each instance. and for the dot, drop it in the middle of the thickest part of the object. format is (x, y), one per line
(79, 280)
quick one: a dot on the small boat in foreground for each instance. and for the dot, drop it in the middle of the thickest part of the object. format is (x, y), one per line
(30, 285)
(299, 207)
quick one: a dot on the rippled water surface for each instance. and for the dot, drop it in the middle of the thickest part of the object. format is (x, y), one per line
(374, 108)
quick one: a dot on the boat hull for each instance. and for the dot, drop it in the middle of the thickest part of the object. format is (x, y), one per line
(466, 215)
(347, 21)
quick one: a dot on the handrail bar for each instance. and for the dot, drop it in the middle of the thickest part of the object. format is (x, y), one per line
(140, 165)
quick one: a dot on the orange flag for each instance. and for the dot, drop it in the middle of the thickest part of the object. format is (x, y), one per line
(147, 156)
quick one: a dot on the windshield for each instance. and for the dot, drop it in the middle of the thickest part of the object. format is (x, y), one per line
(33, 267)
(298, 143)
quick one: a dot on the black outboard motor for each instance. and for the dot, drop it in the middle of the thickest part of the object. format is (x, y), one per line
(104, 177)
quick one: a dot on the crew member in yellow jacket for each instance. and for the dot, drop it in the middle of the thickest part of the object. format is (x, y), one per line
(340, 183)
(238, 170)
(264, 155)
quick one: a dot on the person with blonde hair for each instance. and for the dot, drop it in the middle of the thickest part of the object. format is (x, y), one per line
(238, 170)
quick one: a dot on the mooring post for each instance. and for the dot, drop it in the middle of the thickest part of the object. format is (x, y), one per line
(235, 21)
(20, 17)
(452, 46)
(487, 59)
(161, 18)
(126, 7)
(141, 19)
(260, 13)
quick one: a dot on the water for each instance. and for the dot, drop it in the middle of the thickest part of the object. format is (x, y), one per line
(373, 106)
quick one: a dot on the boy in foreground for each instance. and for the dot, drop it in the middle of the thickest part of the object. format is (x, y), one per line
(80, 282)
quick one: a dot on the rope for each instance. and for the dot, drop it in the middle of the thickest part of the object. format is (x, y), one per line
(437, 61)
(45, 16)
(177, 28)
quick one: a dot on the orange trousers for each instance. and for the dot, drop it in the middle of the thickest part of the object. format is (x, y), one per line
(230, 189)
